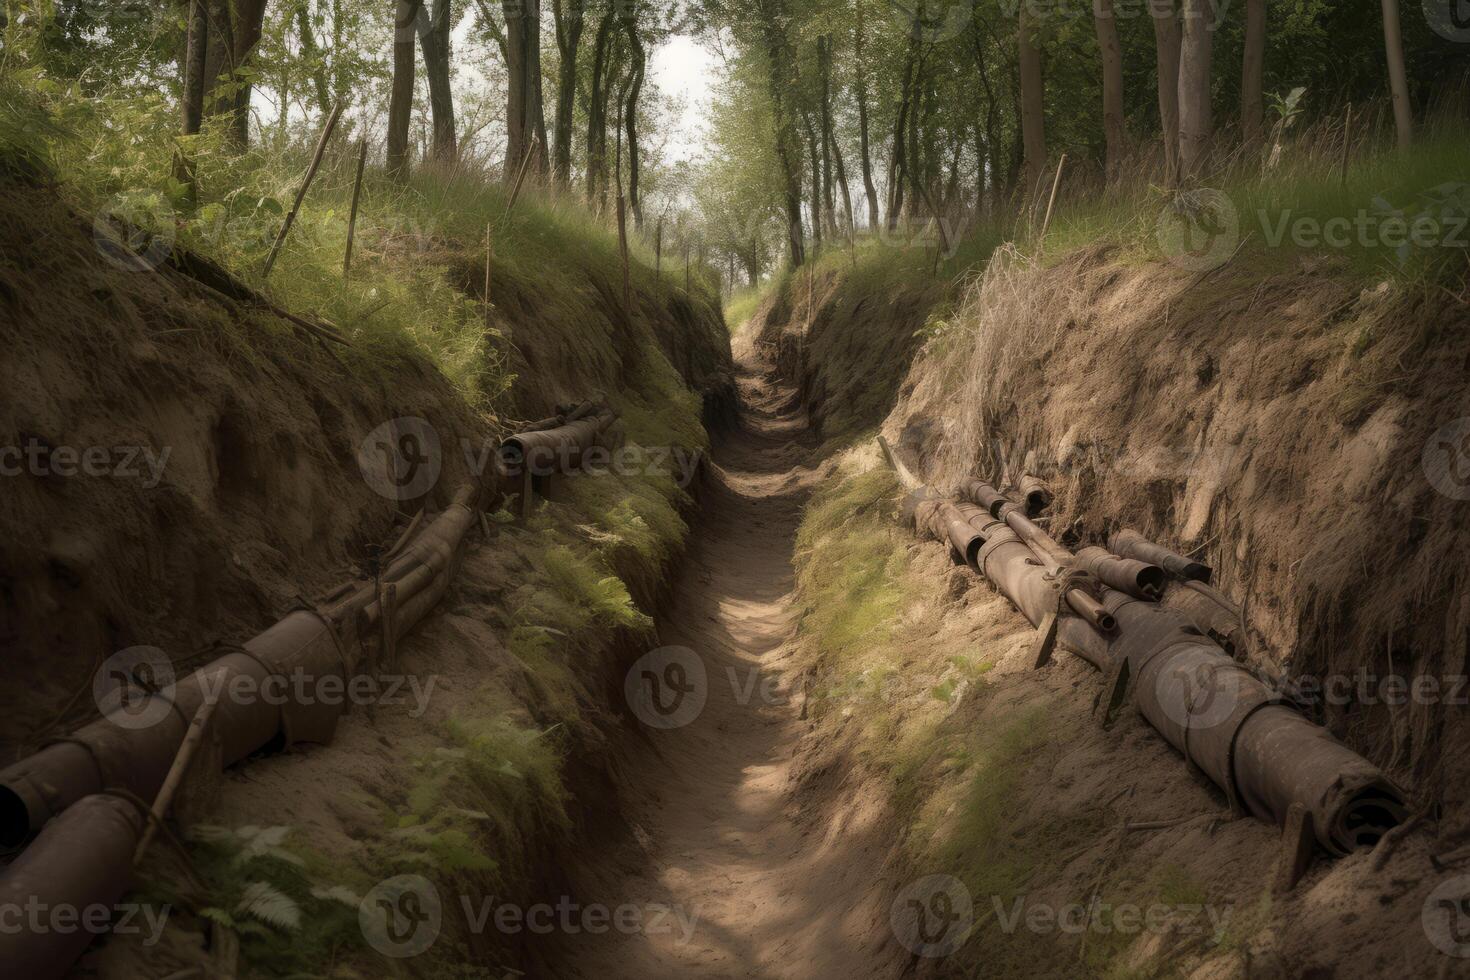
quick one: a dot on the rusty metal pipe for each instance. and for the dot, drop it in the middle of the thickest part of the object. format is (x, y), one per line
(1035, 493)
(1131, 544)
(1138, 579)
(549, 450)
(83, 859)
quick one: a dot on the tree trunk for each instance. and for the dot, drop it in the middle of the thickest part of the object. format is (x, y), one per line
(1115, 135)
(1252, 66)
(434, 39)
(597, 115)
(898, 162)
(631, 116)
(400, 96)
(195, 43)
(313, 54)
(1033, 105)
(1166, 44)
(816, 160)
(1393, 42)
(1196, 123)
(525, 118)
(862, 104)
(568, 38)
(772, 22)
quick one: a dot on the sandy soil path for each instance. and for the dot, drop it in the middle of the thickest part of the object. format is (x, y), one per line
(757, 888)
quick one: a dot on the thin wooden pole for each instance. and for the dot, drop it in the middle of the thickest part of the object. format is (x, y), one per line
(193, 738)
(623, 249)
(515, 192)
(316, 161)
(658, 247)
(1055, 183)
(489, 254)
(1347, 134)
(352, 214)
(686, 268)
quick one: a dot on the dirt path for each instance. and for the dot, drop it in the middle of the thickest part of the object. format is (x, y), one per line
(757, 888)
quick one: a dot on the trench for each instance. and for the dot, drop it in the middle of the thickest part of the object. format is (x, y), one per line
(733, 870)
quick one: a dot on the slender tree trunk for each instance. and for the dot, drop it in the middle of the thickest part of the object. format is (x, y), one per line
(434, 39)
(525, 118)
(1115, 134)
(631, 117)
(842, 179)
(1393, 42)
(400, 96)
(597, 113)
(1253, 65)
(1196, 122)
(1166, 44)
(898, 162)
(1033, 102)
(772, 16)
(862, 104)
(196, 41)
(568, 37)
(815, 155)
(313, 54)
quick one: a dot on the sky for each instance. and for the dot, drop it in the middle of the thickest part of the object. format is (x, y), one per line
(684, 68)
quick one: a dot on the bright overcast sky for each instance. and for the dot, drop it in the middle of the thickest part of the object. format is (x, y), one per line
(683, 68)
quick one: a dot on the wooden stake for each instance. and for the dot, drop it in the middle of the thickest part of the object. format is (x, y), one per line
(1347, 132)
(686, 268)
(515, 191)
(489, 254)
(316, 161)
(352, 214)
(1045, 642)
(623, 249)
(1056, 182)
(176, 772)
(1298, 844)
(658, 246)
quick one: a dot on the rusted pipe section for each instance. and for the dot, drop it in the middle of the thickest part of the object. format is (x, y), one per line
(1138, 579)
(552, 450)
(1263, 754)
(1057, 560)
(82, 860)
(1131, 544)
(1035, 494)
(317, 647)
(1215, 615)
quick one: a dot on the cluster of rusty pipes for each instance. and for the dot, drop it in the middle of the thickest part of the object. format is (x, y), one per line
(1140, 607)
(86, 793)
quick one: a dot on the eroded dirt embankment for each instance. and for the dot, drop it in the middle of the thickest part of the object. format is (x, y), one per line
(1275, 422)
(491, 754)
(748, 877)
